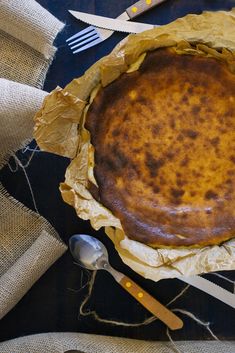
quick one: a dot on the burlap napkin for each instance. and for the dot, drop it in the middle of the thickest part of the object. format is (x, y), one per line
(27, 32)
(28, 243)
(84, 343)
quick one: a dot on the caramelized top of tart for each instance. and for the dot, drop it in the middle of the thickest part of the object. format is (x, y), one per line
(164, 139)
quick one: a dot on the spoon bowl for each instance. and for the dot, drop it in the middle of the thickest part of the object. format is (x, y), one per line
(88, 251)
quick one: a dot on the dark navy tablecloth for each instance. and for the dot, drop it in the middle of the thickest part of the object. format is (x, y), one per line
(53, 302)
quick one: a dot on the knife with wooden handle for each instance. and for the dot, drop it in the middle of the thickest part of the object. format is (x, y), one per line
(121, 22)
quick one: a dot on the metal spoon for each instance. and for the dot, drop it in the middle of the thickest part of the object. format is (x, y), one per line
(90, 253)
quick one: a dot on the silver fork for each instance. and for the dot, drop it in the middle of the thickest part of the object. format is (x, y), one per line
(87, 38)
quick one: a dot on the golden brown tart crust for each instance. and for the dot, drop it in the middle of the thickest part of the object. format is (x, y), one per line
(164, 139)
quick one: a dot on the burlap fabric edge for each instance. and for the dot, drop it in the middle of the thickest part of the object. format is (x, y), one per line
(86, 343)
(27, 34)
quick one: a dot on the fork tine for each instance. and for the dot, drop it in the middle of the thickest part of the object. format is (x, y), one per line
(90, 39)
(89, 45)
(78, 34)
(89, 34)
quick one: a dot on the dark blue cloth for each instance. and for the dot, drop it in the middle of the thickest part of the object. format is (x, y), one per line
(53, 302)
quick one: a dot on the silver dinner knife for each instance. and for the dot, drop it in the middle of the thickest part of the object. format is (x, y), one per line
(120, 23)
(111, 23)
(211, 288)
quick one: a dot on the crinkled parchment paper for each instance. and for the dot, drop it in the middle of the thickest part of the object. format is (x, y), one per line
(59, 128)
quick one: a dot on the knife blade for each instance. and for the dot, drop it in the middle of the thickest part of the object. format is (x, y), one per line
(119, 24)
(211, 288)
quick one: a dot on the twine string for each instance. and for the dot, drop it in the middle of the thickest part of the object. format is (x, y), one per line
(23, 166)
(19, 164)
(35, 150)
(149, 320)
(174, 346)
(198, 321)
(27, 163)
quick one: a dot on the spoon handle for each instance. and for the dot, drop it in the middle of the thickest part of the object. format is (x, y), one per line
(151, 304)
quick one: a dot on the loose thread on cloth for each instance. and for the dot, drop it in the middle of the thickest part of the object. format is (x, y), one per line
(35, 150)
(18, 163)
(82, 284)
(10, 153)
(174, 346)
(27, 163)
(30, 157)
(198, 321)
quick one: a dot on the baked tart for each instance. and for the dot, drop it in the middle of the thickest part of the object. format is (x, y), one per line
(164, 150)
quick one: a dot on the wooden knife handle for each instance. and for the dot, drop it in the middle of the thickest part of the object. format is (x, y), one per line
(151, 304)
(141, 6)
